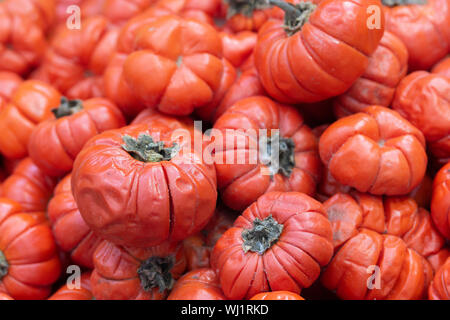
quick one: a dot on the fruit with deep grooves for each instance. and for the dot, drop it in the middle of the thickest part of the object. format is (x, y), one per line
(391, 149)
(318, 51)
(125, 273)
(258, 170)
(140, 177)
(278, 243)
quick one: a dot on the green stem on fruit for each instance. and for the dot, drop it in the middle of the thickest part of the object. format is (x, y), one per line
(145, 149)
(67, 108)
(4, 266)
(284, 151)
(155, 272)
(263, 235)
(295, 15)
